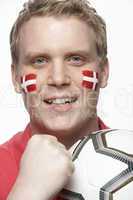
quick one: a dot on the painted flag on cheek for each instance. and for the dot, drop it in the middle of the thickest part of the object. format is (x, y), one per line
(90, 79)
(28, 83)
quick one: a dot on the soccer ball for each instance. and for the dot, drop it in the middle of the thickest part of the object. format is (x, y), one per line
(103, 167)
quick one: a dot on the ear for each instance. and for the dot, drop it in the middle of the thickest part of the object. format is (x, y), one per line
(15, 78)
(104, 73)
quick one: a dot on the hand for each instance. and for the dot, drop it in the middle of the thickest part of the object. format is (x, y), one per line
(45, 168)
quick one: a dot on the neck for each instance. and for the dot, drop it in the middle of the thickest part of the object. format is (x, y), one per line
(77, 134)
(69, 137)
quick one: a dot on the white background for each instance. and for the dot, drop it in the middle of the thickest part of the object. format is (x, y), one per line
(116, 101)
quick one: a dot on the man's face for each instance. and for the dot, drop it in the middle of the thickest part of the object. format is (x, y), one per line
(57, 51)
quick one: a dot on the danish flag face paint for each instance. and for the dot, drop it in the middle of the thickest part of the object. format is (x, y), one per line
(28, 83)
(90, 79)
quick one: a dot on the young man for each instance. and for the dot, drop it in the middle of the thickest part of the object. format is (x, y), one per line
(59, 64)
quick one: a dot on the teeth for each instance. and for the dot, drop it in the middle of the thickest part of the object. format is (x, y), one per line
(60, 101)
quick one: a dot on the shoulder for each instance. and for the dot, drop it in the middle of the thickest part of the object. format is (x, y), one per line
(101, 124)
(11, 150)
(16, 145)
(10, 155)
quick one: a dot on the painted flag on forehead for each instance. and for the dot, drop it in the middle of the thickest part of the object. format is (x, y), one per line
(28, 83)
(90, 79)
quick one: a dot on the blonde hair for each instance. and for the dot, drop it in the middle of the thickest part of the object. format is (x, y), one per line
(81, 9)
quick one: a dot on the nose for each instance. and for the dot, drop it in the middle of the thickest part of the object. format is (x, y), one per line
(58, 75)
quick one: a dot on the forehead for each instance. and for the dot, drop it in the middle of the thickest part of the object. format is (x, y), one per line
(56, 33)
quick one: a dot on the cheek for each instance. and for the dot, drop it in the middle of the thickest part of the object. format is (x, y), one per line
(88, 103)
(32, 82)
(90, 79)
(29, 83)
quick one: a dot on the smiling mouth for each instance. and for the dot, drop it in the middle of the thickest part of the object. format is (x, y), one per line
(61, 101)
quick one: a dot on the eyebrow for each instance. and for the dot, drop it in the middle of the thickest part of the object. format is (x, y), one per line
(81, 52)
(32, 55)
(88, 54)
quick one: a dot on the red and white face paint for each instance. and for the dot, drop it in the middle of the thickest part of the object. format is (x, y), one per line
(90, 79)
(29, 83)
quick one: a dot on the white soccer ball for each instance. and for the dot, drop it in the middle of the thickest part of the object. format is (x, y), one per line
(103, 167)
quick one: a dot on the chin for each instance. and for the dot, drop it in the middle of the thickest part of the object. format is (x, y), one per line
(60, 126)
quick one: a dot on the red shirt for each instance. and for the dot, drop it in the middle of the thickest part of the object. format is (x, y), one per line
(10, 155)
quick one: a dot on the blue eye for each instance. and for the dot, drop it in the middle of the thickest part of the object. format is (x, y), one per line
(76, 60)
(40, 60)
